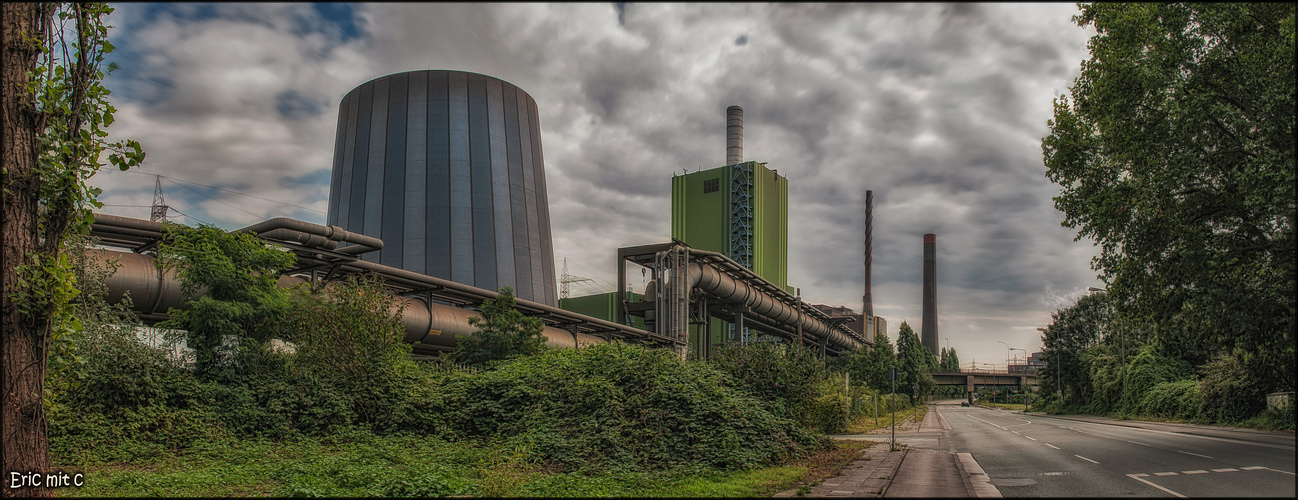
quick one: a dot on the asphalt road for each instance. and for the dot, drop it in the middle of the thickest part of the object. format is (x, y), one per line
(1046, 456)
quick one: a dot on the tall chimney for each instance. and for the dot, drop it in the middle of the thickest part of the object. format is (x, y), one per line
(734, 135)
(867, 300)
(928, 331)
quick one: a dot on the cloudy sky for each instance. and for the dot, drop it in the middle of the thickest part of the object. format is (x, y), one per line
(939, 109)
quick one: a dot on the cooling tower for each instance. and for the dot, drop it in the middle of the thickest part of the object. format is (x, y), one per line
(446, 168)
(928, 330)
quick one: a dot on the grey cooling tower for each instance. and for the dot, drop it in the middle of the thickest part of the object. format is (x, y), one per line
(446, 168)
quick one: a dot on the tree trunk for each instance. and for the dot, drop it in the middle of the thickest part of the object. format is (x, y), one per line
(25, 339)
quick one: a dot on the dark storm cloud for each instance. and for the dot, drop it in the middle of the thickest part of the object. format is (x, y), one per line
(939, 109)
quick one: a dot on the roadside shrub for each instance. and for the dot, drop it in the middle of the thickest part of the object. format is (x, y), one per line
(1149, 368)
(617, 406)
(1229, 392)
(784, 377)
(1181, 399)
(828, 412)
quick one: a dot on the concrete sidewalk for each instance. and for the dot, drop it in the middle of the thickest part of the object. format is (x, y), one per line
(868, 476)
(910, 472)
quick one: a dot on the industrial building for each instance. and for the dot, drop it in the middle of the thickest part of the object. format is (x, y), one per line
(438, 187)
(446, 168)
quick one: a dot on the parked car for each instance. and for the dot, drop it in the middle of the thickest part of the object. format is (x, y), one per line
(964, 403)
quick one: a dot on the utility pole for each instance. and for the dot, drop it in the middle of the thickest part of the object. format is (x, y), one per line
(158, 211)
(893, 403)
(565, 279)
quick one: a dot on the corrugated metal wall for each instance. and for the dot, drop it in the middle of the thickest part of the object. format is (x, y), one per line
(446, 168)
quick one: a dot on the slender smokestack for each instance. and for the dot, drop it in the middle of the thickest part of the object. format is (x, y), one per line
(928, 331)
(734, 135)
(867, 300)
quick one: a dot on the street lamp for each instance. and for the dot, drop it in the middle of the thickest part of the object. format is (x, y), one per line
(1122, 340)
(1024, 388)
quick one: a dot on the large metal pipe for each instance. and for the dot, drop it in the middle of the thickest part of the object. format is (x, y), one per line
(153, 291)
(314, 235)
(733, 291)
(928, 330)
(734, 135)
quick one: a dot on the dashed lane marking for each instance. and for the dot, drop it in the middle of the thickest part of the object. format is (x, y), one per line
(1052, 446)
(1087, 459)
(1225, 470)
(1139, 443)
(1167, 474)
(1195, 454)
(1030, 437)
(1141, 478)
(1194, 472)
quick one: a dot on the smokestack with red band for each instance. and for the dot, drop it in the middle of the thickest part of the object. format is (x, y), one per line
(928, 331)
(734, 135)
(867, 301)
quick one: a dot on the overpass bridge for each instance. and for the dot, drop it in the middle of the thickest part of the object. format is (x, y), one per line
(974, 378)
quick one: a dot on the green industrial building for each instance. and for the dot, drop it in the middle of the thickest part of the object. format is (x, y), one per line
(602, 306)
(740, 210)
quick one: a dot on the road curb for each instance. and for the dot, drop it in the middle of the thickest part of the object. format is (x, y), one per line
(976, 478)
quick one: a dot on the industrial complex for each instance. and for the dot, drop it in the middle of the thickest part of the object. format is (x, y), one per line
(438, 186)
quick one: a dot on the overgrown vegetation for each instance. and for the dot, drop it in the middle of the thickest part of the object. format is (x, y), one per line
(1174, 152)
(324, 371)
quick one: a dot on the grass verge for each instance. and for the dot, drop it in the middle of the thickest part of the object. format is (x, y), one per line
(368, 466)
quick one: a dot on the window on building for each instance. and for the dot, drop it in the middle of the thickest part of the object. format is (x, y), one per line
(711, 185)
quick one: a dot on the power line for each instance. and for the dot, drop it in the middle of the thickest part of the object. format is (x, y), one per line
(221, 202)
(226, 190)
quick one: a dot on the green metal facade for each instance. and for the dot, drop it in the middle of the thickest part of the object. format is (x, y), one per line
(601, 305)
(705, 215)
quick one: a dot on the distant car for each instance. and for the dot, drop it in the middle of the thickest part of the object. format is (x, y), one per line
(964, 403)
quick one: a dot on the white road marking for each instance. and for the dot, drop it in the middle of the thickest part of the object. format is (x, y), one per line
(1052, 446)
(1141, 478)
(1137, 442)
(1016, 432)
(1280, 471)
(1255, 467)
(1166, 474)
(1225, 470)
(988, 423)
(1087, 459)
(1030, 437)
(1182, 434)
(1195, 454)
(1194, 472)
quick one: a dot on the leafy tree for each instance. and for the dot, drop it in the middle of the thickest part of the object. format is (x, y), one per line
(55, 115)
(503, 332)
(879, 359)
(1175, 153)
(949, 361)
(1071, 333)
(783, 376)
(914, 362)
(234, 304)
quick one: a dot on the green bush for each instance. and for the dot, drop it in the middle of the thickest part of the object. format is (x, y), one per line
(828, 412)
(617, 406)
(782, 376)
(1230, 394)
(1181, 399)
